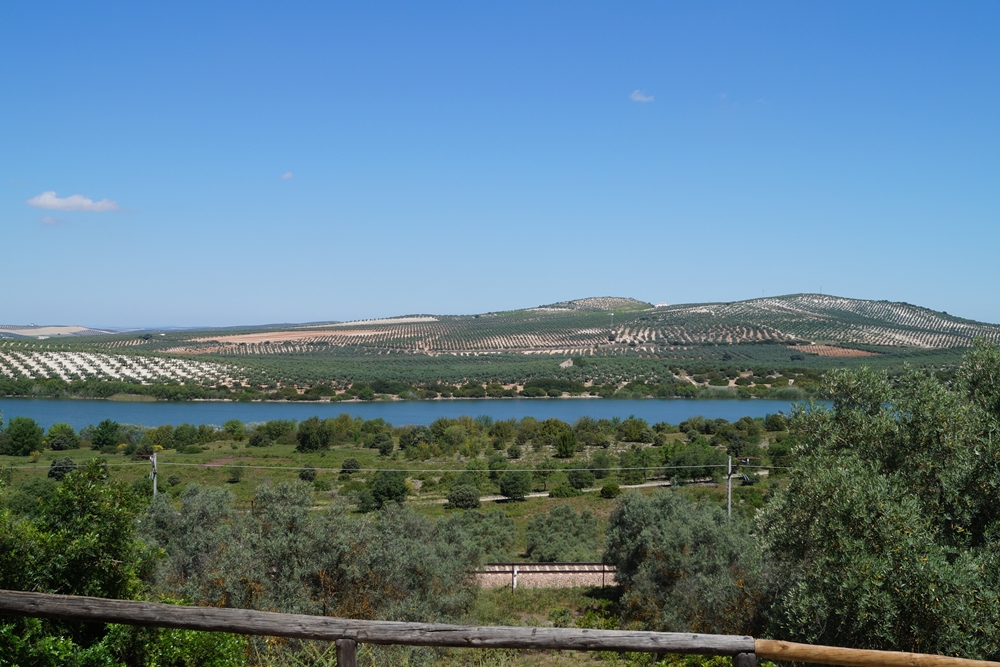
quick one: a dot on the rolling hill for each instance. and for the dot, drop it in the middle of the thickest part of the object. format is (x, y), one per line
(617, 334)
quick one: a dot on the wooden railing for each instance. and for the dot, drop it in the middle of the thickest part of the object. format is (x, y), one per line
(348, 633)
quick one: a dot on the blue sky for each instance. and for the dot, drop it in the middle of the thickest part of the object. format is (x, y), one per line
(241, 163)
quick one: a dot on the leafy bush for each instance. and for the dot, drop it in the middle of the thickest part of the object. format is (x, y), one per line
(60, 468)
(610, 491)
(562, 535)
(285, 557)
(307, 473)
(350, 466)
(514, 452)
(684, 566)
(564, 490)
(463, 496)
(258, 439)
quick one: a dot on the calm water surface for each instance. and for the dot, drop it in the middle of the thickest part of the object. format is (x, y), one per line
(80, 413)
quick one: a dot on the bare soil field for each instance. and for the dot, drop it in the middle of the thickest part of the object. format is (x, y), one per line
(282, 336)
(831, 351)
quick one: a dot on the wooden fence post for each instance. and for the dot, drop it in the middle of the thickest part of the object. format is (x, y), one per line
(745, 660)
(347, 653)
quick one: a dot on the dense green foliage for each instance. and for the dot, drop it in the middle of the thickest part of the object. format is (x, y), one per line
(886, 534)
(562, 534)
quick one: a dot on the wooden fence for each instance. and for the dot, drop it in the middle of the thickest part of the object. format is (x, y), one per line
(348, 633)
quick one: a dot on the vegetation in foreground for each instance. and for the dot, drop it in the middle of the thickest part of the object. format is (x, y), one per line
(883, 535)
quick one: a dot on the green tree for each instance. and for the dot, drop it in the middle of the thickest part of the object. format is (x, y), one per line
(61, 437)
(312, 436)
(383, 443)
(566, 447)
(235, 430)
(82, 543)
(307, 473)
(515, 484)
(545, 470)
(887, 532)
(107, 434)
(388, 486)
(23, 436)
(498, 464)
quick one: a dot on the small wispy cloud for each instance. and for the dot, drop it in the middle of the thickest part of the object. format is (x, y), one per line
(286, 176)
(49, 221)
(639, 96)
(49, 200)
(723, 96)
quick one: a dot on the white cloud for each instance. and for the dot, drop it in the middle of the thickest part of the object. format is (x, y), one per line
(49, 221)
(639, 96)
(49, 200)
(287, 175)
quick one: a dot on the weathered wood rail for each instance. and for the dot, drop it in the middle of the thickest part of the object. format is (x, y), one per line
(348, 633)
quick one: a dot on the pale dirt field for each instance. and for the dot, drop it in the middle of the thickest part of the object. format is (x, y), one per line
(282, 336)
(831, 351)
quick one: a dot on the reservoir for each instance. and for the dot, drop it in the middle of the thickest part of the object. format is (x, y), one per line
(80, 413)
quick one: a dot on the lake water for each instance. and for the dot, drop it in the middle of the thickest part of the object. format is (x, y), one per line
(80, 413)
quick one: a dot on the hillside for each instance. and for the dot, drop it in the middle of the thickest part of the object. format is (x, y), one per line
(622, 338)
(585, 327)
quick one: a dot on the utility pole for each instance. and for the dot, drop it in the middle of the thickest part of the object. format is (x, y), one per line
(153, 473)
(729, 490)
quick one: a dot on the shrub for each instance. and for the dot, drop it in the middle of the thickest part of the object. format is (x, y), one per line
(514, 452)
(515, 484)
(350, 466)
(258, 439)
(61, 467)
(493, 533)
(562, 535)
(192, 449)
(564, 490)
(307, 474)
(684, 566)
(463, 496)
(775, 422)
(610, 491)
(321, 485)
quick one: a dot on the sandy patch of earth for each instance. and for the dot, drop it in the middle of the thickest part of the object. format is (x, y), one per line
(282, 336)
(831, 351)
